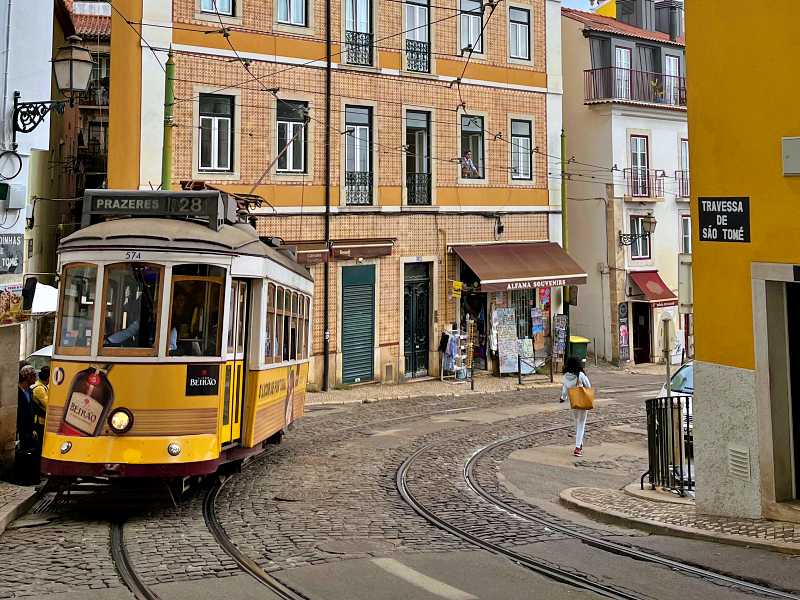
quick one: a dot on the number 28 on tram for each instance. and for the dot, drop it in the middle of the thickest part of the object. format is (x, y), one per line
(180, 344)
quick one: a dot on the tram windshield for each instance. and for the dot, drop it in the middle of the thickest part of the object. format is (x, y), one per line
(77, 307)
(131, 301)
(195, 324)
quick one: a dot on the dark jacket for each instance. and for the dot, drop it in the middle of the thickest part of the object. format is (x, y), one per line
(24, 419)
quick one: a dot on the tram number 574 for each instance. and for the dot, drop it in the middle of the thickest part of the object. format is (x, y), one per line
(133, 255)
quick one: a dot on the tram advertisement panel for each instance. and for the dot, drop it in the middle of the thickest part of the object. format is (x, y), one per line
(280, 395)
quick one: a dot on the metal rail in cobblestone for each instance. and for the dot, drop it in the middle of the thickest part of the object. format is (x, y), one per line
(582, 581)
(599, 542)
(122, 563)
(246, 563)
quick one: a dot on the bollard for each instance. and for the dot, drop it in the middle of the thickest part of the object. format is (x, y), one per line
(594, 347)
(551, 368)
(519, 369)
(472, 375)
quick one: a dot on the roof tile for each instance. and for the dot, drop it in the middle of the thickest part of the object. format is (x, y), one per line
(597, 22)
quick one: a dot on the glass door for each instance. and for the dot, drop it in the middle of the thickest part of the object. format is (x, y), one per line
(622, 74)
(235, 372)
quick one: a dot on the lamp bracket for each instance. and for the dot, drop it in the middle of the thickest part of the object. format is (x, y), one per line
(28, 115)
(627, 239)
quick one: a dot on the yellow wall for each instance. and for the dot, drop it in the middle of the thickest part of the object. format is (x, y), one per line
(125, 97)
(743, 99)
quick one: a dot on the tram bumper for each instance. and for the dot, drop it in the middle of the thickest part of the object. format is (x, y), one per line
(128, 456)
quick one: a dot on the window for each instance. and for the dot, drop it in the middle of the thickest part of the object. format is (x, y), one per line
(418, 172)
(292, 12)
(622, 73)
(98, 136)
(686, 234)
(519, 27)
(358, 34)
(279, 325)
(521, 149)
(97, 92)
(358, 155)
(77, 308)
(672, 71)
(295, 326)
(291, 123)
(471, 25)
(683, 174)
(130, 307)
(417, 36)
(683, 380)
(223, 7)
(195, 324)
(639, 166)
(270, 332)
(287, 324)
(216, 126)
(471, 147)
(306, 331)
(640, 246)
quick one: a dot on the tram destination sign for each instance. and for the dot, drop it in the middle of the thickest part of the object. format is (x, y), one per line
(206, 204)
(724, 219)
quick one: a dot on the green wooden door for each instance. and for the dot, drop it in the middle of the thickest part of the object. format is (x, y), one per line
(358, 323)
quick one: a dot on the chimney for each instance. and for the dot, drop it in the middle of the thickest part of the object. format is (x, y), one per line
(669, 18)
(639, 13)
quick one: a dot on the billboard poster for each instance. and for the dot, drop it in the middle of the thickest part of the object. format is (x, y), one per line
(11, 247)
(624, 333)
(505, 323)
(11, 304)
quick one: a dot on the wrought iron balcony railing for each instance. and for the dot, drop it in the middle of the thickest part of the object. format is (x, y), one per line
(95, 95)
(358, 48)
(627, 85)
(418, 186)
(418, 56)
(358, 188)
(682, 179)
(644, 183)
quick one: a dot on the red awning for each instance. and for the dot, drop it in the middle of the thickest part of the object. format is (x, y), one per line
(654, 288)
(521, 266)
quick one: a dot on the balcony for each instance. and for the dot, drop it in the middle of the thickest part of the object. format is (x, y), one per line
(682, 183)
(418, 186)
(611, 84)
(647, 184)
(358, 188)
(358, 48)
(95, 95)
(418, 56)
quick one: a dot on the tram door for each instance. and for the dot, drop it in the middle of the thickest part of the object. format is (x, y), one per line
(235, 371)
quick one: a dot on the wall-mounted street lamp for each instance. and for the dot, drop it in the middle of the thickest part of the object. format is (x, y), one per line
(72, 67)
(648, 227)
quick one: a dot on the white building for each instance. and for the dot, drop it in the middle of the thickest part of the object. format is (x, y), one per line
(625, 122)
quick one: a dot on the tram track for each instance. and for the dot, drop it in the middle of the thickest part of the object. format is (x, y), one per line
(601, 543)
(122, 563)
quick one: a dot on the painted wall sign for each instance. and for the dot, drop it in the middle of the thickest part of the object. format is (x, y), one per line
(724, 219)
(202, 380)
(11, 248)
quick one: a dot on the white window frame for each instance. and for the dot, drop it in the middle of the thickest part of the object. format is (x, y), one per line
(354, 20)
(213, 7)
(215, 165)
(470, 24)
(640, 165)
(686, 234)
(356, 132)
(517, 151)
(482, 170)
(516, 30)
(288, 156)
(417, 21)
(290, 4)
(641, 247)
(672, 71)
(622, 73)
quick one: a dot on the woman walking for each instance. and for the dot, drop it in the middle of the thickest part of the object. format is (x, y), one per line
(575, 377)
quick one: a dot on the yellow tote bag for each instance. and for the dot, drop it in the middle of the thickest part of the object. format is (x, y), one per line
(581, 398)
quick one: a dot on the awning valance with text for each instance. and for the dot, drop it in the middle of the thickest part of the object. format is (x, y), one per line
(653, 287)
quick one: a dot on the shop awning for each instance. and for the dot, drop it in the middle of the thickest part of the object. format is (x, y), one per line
(521, 266)
(653, 288)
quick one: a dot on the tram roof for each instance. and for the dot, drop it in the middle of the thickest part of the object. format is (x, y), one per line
(171, 235)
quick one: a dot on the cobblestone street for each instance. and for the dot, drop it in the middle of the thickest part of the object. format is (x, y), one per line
(322, 511)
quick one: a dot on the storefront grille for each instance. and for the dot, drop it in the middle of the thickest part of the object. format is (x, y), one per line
(522, 301)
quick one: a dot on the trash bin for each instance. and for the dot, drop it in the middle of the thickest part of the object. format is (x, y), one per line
(579, 347)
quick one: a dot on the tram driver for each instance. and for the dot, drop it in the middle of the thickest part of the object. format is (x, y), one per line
(184, 334)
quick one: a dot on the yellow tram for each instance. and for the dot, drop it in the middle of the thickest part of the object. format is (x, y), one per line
(182, 339)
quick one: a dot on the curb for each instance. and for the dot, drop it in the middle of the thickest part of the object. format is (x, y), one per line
(649, 525)
(19, 509)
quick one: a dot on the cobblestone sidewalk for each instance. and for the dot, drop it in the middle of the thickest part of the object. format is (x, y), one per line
(683, 518)
(484, 384)
(14, 501)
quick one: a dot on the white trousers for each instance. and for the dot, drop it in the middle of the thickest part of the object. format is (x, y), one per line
(580, 425)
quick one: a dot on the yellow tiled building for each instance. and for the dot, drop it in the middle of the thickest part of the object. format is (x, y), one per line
(413, 85)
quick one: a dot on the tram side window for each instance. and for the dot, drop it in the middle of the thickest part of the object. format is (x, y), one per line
(287, 324)
(306, 330)
(295, 328)
(270, 337)
(279, 325)
(77, 307)
(195, 321)
(130, 305)
(301, 332)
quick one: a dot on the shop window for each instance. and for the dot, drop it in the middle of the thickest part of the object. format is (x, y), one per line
(270, 332)
(640, 246)
(292, 136)
(471, 25)
(222, 7)
(131, 300)
(471, 147)
(521, 149)
(519, 33)
(292, 12)
(197, 297)
(216, 133)
(77, 309)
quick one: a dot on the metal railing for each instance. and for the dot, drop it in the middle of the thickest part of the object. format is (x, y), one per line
(418, 186)
(670, 444)
(532, 365)
(628, 85)
(358, 47)
(95, 95)
(358, 187)
(682, 179)
(644, 183)
(418, 56)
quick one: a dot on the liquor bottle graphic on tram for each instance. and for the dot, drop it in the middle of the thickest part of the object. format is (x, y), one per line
(89, 400)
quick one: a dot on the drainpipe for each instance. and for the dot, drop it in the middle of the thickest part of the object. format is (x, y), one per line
(565, 235)
(326, 278)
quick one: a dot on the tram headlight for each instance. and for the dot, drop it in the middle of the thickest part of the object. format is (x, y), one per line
(120, 420)
(65, 447)
(174, 449)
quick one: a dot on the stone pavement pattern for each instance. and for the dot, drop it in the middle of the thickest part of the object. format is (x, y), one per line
(13, 499)
(685, 516)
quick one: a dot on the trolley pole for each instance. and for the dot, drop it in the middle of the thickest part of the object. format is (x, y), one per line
(565, 233)
(169, 104)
